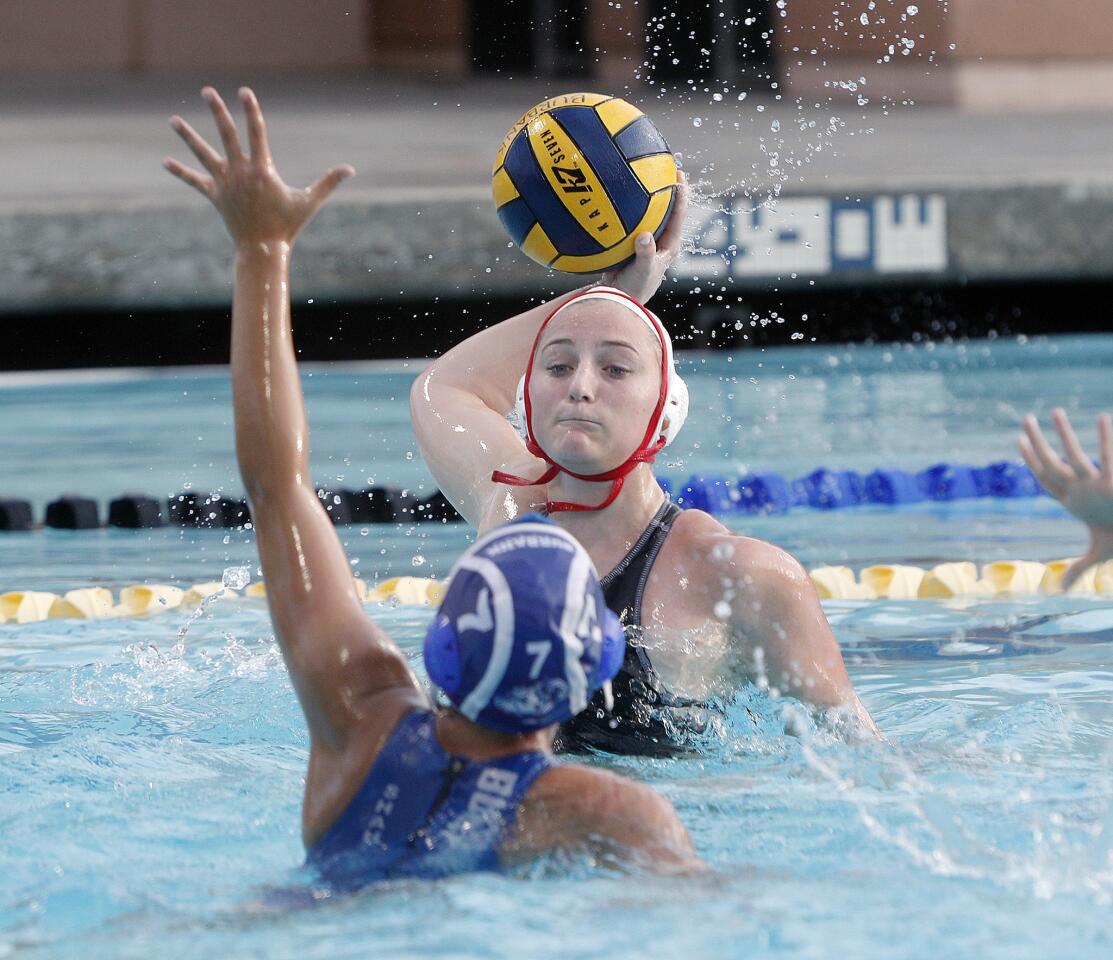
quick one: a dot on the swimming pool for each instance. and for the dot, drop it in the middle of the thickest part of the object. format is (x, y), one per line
(150, 791)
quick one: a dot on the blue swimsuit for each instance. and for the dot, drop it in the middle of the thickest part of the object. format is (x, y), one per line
(423, 812)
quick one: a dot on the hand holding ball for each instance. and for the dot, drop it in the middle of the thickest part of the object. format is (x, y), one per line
(578, 177)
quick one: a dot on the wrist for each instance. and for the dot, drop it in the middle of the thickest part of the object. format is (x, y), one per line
(263, 252)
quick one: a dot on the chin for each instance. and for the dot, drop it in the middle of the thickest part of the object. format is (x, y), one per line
(580, 457)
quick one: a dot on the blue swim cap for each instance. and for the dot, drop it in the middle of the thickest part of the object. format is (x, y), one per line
(523, 638)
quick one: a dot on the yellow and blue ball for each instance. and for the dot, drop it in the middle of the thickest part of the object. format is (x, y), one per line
(578, 177)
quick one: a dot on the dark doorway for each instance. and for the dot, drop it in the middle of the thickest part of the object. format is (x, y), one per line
(693, 42)
(545, 38)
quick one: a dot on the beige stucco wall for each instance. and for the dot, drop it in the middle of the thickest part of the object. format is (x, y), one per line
(1032, 29)
(294, 35)
(993, 54)
(60, 37)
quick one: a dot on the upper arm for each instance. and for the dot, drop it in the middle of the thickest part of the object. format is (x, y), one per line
(776, 615)
(577, 806)
(337, 656)
(464, 438)
(459, 404)
(644, 823)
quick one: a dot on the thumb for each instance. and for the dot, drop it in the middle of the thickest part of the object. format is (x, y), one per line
(329, 181)
(1079, 567)
(637, 277)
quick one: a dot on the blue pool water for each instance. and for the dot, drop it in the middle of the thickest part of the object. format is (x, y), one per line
(150, 789)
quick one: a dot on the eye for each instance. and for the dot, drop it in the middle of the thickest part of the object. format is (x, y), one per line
(557, 369)
(617, 370)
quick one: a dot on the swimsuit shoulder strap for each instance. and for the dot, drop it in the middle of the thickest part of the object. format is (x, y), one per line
(624, 586)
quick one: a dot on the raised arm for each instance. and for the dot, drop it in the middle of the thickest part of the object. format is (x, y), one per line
(459, 404)
(336, 656)
(1085, 490)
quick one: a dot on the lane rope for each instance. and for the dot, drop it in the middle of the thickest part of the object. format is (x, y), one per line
(957, 579)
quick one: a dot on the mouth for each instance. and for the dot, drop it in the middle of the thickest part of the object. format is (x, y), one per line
(578, 422)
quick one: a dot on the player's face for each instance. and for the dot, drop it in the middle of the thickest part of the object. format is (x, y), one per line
(595, 383)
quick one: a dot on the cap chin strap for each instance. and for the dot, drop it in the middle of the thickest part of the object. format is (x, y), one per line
(617, 475)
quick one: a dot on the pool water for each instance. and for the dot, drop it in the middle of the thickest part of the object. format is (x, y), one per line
(150, 783)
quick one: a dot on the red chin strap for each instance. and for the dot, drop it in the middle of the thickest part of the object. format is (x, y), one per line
(646, 452)
(617, 475)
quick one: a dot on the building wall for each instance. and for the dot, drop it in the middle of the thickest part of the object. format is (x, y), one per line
(1037, 30)
(616, 36)
(293, 35)
(59, 37)
(991, 54)
(419, 35)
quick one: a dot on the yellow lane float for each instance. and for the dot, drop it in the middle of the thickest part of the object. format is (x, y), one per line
(149, 598)
(1001, 578)
(893, 581)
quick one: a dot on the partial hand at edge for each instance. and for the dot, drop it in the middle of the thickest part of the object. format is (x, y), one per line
(1085, 490)
(643, 276)
(257, 206)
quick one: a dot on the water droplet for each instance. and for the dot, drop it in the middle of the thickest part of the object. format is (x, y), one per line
(236, 578)
(697, 121)
(418, 560)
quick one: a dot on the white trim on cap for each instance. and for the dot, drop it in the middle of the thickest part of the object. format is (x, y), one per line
(513, 529)
(575, 594)
(503, 644)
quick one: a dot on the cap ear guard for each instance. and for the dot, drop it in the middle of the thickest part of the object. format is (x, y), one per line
(613, 651)
(676, 408)
(442, 655)
(517, 416)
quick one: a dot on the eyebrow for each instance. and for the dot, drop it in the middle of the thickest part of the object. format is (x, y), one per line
(565, 341)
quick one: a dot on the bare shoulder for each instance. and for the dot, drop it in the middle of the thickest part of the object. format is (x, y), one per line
(716, 556)
(577, 806)
(588, 792)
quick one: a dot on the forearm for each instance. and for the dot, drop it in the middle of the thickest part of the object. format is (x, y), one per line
(272, 443)
(489, 364)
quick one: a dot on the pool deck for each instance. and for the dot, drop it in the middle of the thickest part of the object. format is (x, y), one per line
(89, 220)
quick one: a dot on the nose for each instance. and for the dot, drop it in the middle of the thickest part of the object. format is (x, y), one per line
(581, 385)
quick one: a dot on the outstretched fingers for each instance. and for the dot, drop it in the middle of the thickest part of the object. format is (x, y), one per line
(1083, 466)
(198, 181)
(256, 127)
(208, 157)
(1044, 462)
(224, 123)
(319, 190)
(1105, 445)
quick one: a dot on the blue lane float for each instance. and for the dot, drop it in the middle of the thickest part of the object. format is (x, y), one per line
(765, 493)
(827, 489)
(893, 487)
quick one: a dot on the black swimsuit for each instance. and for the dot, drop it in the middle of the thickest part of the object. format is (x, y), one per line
(647, 720)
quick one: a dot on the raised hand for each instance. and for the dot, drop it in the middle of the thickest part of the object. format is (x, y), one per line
(641, 277)
(257, 206)
(1085, 490)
